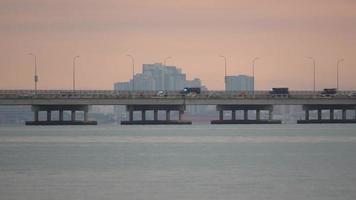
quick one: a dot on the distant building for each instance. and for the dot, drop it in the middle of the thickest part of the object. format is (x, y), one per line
(239, 83)
(159, 77)
(122, 86)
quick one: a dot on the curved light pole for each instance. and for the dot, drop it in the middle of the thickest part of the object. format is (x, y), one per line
(165, 59)
(133, 71)
(74, 59)
(35, 75)
(311, 58)
(337, 73)
(253, 71)
(225, 68)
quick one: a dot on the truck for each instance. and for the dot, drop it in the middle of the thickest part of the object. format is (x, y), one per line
(279, 92)
(329, 92)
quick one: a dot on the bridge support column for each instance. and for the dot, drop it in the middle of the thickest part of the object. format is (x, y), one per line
(331, 114)
(245, 114)
(306, 114)
(168, 115)
(155, 115)
(180, 114)
(319, 114)
(49, 115)
(245, 119)
(60, 109)
(143, 115)
(73, 115)
(36, 116)
(270, 114)
(258, 114)
(130, 115)
(332, 117)
(344, 114)
(60, 115)
(85, 115)
(155, 108)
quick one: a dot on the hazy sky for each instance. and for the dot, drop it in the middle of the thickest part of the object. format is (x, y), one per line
(193, 32)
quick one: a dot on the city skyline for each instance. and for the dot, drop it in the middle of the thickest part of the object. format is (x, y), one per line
(282, 33)
(158, 76)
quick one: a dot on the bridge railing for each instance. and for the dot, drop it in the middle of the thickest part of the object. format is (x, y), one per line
(50, 94)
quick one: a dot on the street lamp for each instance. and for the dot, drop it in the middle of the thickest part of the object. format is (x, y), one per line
(133, 71)
(35, 75)
(225, 68)
(74, 59)
(165, 59)
(337, 73)
(313, 71)
(253, 71)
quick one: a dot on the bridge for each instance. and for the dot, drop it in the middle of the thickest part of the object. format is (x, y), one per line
(142, 101)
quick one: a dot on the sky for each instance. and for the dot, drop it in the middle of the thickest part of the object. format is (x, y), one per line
(283, 33)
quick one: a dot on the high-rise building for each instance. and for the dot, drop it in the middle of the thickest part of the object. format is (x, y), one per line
(158, 77)
(239, 83)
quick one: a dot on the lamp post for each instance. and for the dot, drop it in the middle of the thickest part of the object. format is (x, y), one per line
(165, 59)
(225, 68)
(35, 75)
(337, 73)
(133, 71)
(253, 71)
(74, 59)
(313, 72)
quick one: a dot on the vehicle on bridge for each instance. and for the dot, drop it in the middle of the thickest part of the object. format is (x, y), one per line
(279, 92)
(162, 93)
(329, 92)
(190, 91)
(352, 94)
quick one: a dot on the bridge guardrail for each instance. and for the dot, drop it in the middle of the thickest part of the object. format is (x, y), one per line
(65, 94)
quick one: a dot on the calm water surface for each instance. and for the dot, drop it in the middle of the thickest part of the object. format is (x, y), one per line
(279, 162)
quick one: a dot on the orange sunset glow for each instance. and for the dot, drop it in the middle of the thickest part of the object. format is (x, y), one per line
(283, 33)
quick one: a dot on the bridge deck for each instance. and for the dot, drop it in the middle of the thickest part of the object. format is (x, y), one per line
(111, 97)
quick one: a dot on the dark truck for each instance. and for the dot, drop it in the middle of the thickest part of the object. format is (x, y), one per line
(279, 92)
(190, 90)
(329, 92)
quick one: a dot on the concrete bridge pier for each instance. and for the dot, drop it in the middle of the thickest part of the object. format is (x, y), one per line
(333, 118)
(245, 119)
(168, 115)
(306, 114)
(331, 114)
(60, 108)
(270, 114)
(155, 109)
(319, 114)
(35, 117)
(49, 115)
(258, 114)
(344, 114)
(61, 115)
(221, 115)
(73, 115)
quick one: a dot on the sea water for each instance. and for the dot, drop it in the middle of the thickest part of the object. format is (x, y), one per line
(254, 162)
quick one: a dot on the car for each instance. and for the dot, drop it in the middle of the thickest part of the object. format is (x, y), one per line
(352, 94)
(190, 90)
(243, 94)
(161, 93)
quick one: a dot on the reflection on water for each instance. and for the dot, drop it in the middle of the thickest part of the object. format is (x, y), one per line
(179, 162)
